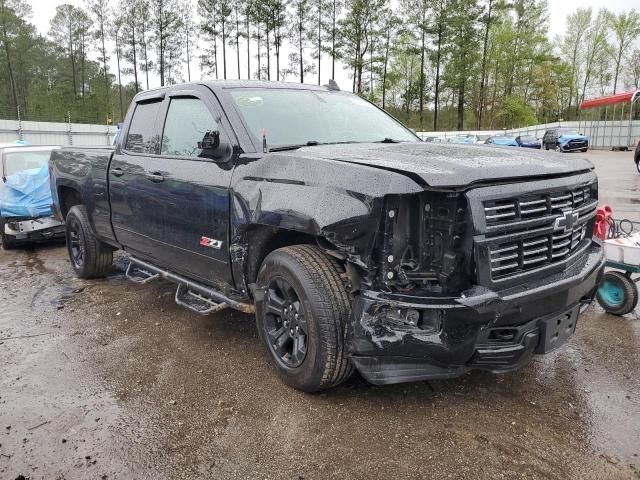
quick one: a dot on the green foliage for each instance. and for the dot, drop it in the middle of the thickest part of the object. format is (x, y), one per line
(450, 64)
(514, 112)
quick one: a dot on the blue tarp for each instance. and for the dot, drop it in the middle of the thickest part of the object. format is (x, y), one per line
(505, 141)
(26, 194)
(567, 137)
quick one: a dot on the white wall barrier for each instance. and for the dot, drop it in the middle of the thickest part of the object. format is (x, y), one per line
(602, 134)
(49, 133)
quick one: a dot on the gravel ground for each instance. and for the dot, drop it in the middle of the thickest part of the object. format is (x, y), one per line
(111, 380)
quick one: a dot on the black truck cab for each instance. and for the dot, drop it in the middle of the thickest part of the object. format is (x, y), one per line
(356, 245)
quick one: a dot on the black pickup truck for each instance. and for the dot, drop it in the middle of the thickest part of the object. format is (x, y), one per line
(356, 245)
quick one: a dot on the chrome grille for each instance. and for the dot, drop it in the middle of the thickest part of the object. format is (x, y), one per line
(515, 256)
(536, 230)
(513, 211)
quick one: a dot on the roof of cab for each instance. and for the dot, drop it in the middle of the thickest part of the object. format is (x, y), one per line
(225, 84)
(262, 84)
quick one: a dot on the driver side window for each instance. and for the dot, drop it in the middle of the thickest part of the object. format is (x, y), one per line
(188, 121)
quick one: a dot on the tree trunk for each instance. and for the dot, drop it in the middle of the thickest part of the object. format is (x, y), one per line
(135, 55)
(188, 57)
(119, 80)
(104, 67)
(73, 60)
(248, 30)
(422, 50)
(333, 43)
(224, 50)
(259, 53)
(268, 55)
(144, 51)
(319, 40)
(483, 69)
(238, 41)
(461, 105)
(617, 70)
(384, 70)
(300, 42)
(437, 81)
(12, 80)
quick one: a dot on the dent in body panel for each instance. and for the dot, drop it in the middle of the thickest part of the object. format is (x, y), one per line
(336, 202)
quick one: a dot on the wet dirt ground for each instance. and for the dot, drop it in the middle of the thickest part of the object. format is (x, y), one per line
(111, 380)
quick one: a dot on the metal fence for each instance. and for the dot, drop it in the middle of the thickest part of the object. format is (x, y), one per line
(50, 133)
(602, 134)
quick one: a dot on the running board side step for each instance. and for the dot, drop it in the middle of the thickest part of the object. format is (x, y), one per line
(140, 275)
(197, 303)
(192, 295)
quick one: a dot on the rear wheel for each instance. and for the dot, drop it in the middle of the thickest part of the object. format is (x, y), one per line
(8, 241)
(638, 164)
(302, 318)
(90, 258)
(583, 150)
(617, 293)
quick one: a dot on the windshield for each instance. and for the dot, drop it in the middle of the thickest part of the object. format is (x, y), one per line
(295, 117)
(568, 132)
(15, 162)
(528, 139)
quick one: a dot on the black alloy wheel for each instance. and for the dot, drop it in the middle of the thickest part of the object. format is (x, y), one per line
(285, 324)
(75, 243)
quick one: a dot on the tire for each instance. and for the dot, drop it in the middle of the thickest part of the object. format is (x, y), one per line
(638, 164)
(546, 146)
(584, 150)
(305, 298)
(8, 241)
(617, 293)
(90, 258)
(557, 148)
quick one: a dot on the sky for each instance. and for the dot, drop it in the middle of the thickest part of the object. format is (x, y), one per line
(44, 10)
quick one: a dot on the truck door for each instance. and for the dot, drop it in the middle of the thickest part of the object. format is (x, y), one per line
(180, 199)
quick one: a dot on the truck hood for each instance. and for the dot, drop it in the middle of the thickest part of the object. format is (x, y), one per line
(451, 165)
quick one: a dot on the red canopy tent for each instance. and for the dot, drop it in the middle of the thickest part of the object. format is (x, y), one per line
(624, 97)
(606, 101)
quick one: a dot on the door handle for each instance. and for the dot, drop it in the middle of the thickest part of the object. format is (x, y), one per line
(155, 177)
(117, 172)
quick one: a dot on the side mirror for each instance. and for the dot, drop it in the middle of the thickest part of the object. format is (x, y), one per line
(214, 147)
(210, 141)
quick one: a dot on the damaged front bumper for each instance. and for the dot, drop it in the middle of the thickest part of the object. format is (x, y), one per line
(39, 228)
(400, 338)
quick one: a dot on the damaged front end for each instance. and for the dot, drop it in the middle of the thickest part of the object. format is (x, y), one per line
(476, 279)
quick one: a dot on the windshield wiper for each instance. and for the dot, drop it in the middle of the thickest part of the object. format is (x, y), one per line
(281, 148)
(388, 140)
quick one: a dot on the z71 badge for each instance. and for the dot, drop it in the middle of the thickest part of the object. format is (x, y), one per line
(210, 242)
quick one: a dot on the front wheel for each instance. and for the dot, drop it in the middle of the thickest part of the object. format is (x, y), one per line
(8, 241)
(638, 165)
(302, 317)
(90, 258)
(558, 149)
(617, 293)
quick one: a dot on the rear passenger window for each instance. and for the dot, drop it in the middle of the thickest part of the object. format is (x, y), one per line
(188, 120)
(140, 137)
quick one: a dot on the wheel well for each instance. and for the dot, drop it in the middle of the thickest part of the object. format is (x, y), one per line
(262, 240)
(68, 198)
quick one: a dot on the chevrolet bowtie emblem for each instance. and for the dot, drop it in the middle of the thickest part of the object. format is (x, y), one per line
(566, 221)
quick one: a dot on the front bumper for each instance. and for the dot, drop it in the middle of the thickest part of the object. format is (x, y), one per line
(574, 146)
(42, 228)
(482, 329)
